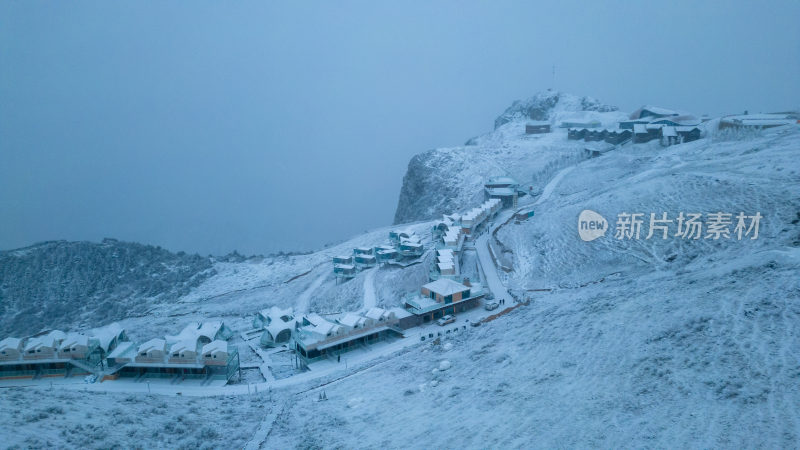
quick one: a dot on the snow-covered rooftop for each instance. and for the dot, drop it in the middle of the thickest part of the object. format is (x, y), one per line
(351, 320)
(444, 286)
(107, 334)
(10, 343)
(153, 344)
(51, 339)
(657, 110)
(183, 346)
(121, 349)
(215, 346)
(375, 313)
(73, 339)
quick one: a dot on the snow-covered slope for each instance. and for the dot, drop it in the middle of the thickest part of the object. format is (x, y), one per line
(626, 343)
(444, 180)
(646, 343)
(78, 284)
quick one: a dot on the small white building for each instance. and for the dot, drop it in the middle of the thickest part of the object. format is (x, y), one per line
(153, 350)
(277, 324)
(201, 332)
(108, 337)
(352, 321)
(74, 346)
(363, 251)
(215, 353)
(183, 352)
(45, 346)
(11, 349)
(451, 237)
(316, 328)
(343, 259)
(380, 315)
(365, 260)
(446, 268)
(411, 247)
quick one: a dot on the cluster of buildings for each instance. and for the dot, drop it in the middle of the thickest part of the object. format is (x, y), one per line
(402, 244)
(200, 350)
(58, 354)
(670, 127)
(450, 233)
(441, 297)
(644, 125)
(314, 337)
(650, 123)
(505, 189)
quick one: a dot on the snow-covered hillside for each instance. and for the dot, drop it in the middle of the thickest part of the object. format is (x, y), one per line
(625, 343)
(443, 180)
(640, 343)
(83, 284)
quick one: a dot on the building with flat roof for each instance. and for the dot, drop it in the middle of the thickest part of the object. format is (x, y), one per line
(537, 127)
(441, 297)
(411, 247)
(386, 254)
(364, 261)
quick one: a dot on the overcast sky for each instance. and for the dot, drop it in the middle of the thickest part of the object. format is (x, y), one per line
(210, 126)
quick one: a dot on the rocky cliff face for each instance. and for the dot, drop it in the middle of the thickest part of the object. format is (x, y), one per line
(65, 284)
(449, 179)
(542, 105)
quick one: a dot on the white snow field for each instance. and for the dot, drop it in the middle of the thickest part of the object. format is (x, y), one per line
(643, 343)
(626, 343)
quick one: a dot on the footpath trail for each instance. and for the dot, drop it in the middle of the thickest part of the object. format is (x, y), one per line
(305, 297)
(369, 289)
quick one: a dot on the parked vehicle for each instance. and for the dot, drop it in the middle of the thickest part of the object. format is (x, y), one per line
(475, 324)
(446, 319)
(491, 305)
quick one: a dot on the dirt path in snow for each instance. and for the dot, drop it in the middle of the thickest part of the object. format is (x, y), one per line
(303, 299)
(552, 185)
(369, 290)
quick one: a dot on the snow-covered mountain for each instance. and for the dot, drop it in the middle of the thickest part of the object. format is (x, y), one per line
(443, 180)
(626, 342)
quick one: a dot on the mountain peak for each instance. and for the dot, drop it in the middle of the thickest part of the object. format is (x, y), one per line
(543, 104)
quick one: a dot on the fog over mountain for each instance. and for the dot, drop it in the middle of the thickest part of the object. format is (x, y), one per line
(263, 127)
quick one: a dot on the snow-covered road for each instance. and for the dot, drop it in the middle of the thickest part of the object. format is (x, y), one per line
(303, 299)
(369, 289)
(548, 189)
(489, 269)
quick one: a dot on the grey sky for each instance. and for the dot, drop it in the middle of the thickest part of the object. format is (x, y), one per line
(265, 126)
